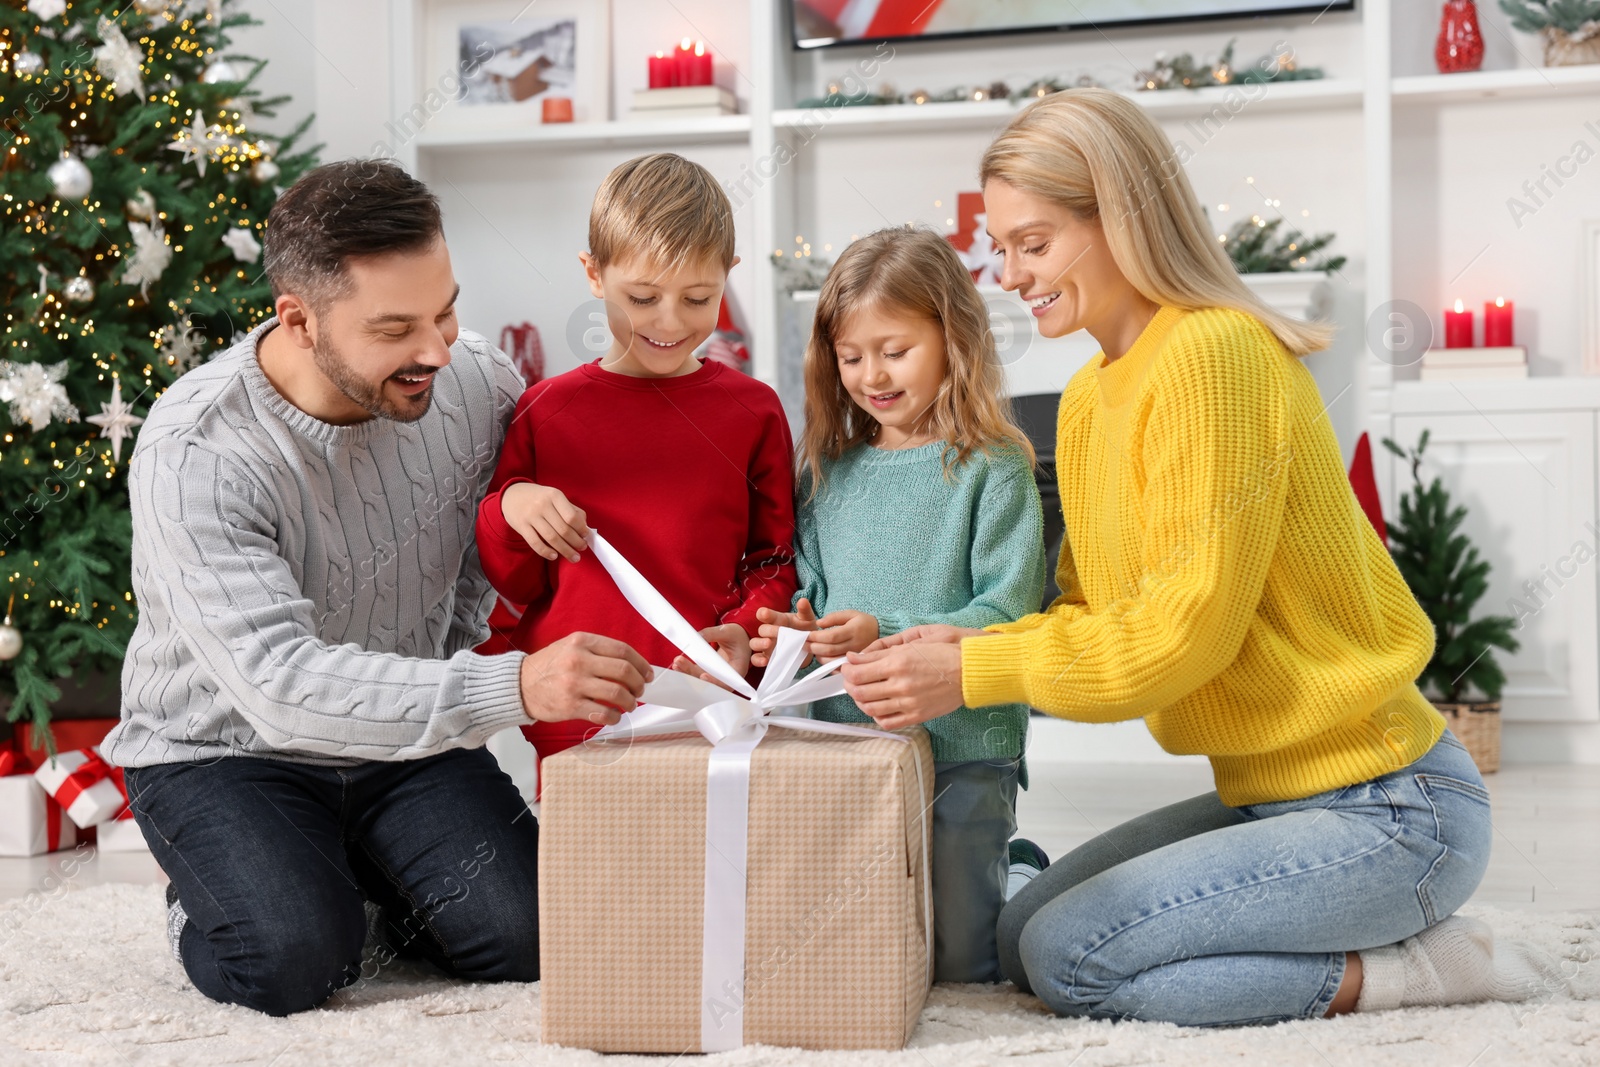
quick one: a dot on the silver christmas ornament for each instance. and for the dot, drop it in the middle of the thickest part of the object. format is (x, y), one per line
(78, 290)
(70, 178)
(220, 71)
(27, 64)
(10, 640)
(141, 205)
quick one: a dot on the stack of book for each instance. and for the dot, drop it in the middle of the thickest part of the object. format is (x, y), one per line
(683, 102)
(1474, 364)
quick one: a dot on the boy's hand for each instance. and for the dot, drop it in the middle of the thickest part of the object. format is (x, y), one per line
(839, 632)
(728, 639)
(550, 523)
(801, 618)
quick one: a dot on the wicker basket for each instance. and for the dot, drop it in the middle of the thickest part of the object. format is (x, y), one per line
(1563, 49)
(1477, 726)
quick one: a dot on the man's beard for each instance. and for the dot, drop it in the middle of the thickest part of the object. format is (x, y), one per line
(368, 395)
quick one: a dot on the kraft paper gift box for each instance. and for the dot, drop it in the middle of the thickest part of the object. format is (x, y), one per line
(761, 879)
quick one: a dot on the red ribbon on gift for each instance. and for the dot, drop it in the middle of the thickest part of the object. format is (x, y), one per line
(10, 762)
(93, 771)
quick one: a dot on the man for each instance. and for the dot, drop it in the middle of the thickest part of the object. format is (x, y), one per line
(303, 715)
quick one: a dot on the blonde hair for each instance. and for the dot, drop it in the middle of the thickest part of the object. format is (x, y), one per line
(663, 210)
(914, 272)
(1100, 155)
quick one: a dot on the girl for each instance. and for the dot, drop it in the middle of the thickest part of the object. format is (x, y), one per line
(1222, 583)
(918, 505)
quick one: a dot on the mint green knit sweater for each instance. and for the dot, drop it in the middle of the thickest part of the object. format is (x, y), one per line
(890, 535)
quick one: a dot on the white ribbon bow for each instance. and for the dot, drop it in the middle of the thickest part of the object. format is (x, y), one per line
(734, 723)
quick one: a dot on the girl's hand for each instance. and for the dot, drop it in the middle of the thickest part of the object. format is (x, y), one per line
(550, 523)
(933, 633)
(728, 639)
(801, 618)
(839, 632)
(907, 683)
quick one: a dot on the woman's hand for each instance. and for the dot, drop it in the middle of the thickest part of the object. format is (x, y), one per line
(933, 633)
(907, 682)
(550, 523)
(839, 632)
(801, 618)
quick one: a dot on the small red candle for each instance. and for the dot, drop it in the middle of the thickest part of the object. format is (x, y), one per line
(556, 109)
(1458, 327)
(683, 63)
(1497, 331)
(661, 71)
(702, 64)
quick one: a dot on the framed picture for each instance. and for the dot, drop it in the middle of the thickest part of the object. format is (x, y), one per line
(496, 61)
(1589, 294)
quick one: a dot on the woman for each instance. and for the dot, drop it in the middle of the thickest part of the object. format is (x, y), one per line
(1222, 584)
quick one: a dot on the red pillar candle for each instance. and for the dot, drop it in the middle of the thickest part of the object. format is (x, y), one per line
(661, 71)
(1497, 331)
(702, 64)
(1458, 328)
(683, 63)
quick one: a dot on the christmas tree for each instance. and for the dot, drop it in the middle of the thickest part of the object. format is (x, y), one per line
(1447, 577)
(135, 194)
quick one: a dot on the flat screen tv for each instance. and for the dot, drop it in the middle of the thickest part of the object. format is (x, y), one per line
(821, 23)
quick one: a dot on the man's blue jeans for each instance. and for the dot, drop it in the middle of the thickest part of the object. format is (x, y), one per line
(272, 860)
(1206, 915)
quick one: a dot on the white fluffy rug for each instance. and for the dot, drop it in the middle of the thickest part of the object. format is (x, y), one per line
(85, 978)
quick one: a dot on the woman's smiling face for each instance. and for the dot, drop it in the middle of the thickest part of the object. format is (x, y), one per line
(1058, 263)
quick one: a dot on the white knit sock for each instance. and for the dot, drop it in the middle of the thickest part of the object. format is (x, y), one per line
(1018, 876)
(1454, 962)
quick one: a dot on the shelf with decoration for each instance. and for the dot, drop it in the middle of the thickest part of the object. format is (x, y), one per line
(1524, 83)
(711, 129)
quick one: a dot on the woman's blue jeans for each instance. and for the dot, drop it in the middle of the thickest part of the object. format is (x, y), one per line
(1205, 915)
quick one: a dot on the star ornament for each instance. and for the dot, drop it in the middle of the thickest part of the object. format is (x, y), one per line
(241, 241)
(118, 61)
(116, 420)
(194, 143)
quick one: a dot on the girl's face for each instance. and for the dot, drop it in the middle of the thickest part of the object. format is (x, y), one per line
(892, 364)
(1059, 264)
(657, 318)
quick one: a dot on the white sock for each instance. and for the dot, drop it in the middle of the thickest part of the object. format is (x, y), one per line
(176, 918)
(1020, 875)
(1454, 962)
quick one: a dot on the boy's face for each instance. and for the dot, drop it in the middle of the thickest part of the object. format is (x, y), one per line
(657, 317)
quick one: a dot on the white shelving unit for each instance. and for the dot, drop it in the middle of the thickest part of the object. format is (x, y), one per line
(1413, 171)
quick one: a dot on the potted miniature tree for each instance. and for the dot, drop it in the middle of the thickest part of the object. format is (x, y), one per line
(1570, 29)
(1448, 578)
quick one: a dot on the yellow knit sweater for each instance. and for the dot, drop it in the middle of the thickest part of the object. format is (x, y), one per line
(1220, 579)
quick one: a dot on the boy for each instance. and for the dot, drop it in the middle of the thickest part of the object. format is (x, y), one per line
(684, 466)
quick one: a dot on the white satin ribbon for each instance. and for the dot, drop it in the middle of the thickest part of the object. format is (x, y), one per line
(734, 723)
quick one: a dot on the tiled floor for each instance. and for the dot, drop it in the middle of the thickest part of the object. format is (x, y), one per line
(1546, 850)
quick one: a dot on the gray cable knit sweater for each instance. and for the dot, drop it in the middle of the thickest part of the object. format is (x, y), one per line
(312, 592)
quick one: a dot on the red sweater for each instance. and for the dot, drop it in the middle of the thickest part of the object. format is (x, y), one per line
(690, 478)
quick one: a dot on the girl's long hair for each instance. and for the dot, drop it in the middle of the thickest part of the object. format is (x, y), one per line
(908, 272)
(1100, 155)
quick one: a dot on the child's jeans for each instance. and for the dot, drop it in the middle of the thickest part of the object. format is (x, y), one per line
(1205, 915)
(974, 816)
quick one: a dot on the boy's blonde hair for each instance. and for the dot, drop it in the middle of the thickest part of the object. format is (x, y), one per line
(1100, 155)
(913, 272)
(662, 210)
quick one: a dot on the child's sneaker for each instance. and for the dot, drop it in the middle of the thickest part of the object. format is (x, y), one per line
(1027, 860)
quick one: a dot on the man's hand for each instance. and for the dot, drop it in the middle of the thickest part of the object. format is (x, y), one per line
(728, 639)
(839, 632)
(801, 618)
(906, 683)
(582, 676)
(550, 523)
